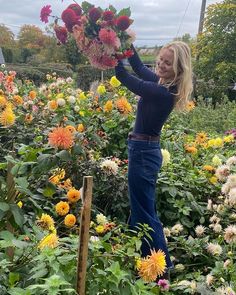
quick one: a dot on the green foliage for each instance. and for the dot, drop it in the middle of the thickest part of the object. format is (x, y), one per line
(215, 119)
(86, 75)
(8, 55)
(215, 50)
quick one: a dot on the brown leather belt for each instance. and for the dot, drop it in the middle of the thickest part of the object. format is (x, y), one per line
(137, 136)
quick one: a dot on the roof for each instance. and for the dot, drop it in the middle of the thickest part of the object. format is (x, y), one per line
(2, 60)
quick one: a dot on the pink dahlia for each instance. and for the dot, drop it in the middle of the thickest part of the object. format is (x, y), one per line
(77, 9)
(94, 14)
(45, 13)
(108, 15)
(163, 284)
(123, 22)
(107, 36)
(61, 33)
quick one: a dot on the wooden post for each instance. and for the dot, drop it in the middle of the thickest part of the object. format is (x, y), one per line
(84, 234)
(201, 20)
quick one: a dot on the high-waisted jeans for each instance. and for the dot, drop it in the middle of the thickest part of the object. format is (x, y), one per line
(145, 161)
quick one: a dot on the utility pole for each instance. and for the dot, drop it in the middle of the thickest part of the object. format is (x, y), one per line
(202, 13)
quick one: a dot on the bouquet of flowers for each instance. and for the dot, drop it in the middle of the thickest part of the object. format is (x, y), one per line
(103, 36)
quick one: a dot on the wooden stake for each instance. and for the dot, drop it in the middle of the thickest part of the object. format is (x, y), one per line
(84, 234)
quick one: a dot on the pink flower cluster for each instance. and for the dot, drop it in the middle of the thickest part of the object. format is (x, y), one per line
(103, 36)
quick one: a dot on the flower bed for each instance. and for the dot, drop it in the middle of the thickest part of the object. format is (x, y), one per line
(52, 136)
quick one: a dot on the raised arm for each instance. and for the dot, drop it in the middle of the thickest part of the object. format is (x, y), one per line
(140, 69)
(139, 86)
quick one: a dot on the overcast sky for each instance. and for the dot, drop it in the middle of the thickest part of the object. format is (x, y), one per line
(155, 21)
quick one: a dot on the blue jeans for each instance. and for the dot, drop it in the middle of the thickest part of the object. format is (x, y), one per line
(145, 161)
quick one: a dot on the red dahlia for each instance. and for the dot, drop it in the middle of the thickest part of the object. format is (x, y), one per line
(70, 18)
(77, 9)
(108, 15)
(94, 14)
(61, 33)
(123, 22)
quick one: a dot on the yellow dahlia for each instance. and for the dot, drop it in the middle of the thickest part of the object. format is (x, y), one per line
(58, 175)
(70, 220)
(73, 195)
(190, 106)
(108, 106)
(201, 137)
(229, 138)
(80, 128)
(152, 266)
(46, 221)
(213, 180)
(114, 82)
(100, 229)
(7, 117)
(82, 95)
(20, 204)
(60, 138)
(208, 168)
(62, 208)
(67, 184)
(50, 241)
(101, 89)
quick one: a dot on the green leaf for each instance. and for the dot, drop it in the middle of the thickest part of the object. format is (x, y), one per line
(125, 11)
(18, 291)
(86, 6)
(4, 206)
(13, 278)
(112, 8)
(22, 182)
(17, 214)
(64, 155)
(49, 190)
(3, 166)
(6, 235)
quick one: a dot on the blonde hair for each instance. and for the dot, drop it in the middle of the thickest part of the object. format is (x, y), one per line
(182, 67)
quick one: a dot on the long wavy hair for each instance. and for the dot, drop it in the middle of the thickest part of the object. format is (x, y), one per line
(182, 67)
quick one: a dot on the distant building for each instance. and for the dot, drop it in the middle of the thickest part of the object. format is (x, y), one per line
(2, 60)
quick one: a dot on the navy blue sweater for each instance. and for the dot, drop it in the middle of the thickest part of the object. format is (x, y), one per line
(156, 101)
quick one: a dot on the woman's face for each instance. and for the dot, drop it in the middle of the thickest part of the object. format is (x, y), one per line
(165, 65)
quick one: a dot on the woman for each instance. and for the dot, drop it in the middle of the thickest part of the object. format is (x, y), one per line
(170, 87)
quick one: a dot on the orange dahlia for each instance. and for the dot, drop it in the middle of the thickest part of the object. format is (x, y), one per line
(73, 195)
(71, 128)
(62, 208)
(152, 266)
(32, 94)
(123, 105)
(18, 99)
(190, 149)
(3, 101)
(70, 220)
(61, 138)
